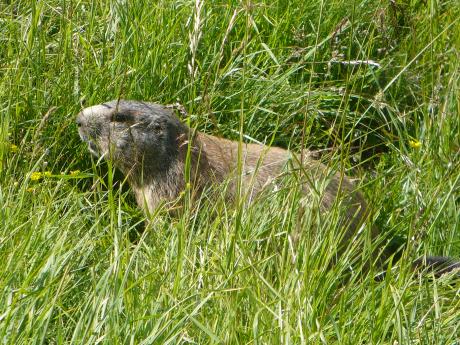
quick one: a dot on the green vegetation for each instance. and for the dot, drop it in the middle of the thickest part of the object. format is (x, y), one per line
(374, 86)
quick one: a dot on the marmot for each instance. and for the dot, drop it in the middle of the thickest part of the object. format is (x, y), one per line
(149, 144)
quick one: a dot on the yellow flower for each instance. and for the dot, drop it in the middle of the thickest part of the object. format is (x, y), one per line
(14, 148)
(36, 175)
(188, 185)
(30, 190)
(415, 144)
(74, 172)
(47, 174)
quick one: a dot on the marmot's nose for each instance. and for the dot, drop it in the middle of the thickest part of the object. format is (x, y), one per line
(79, 121)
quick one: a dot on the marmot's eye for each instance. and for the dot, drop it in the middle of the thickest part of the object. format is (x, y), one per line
(122, 117)
(156, 126)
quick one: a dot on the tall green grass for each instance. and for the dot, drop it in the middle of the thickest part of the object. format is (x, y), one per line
(371, 86)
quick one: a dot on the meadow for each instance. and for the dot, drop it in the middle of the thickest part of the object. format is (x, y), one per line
(372, 87)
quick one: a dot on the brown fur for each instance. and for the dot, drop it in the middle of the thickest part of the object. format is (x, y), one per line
(150, 145)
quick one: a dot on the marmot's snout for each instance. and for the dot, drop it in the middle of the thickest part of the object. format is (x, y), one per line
(87, 130)
(81, 124)
(79, 121)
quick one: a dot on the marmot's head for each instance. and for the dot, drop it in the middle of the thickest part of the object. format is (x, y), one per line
(132, 134)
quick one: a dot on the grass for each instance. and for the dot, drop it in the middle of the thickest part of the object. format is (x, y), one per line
(373, 87)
